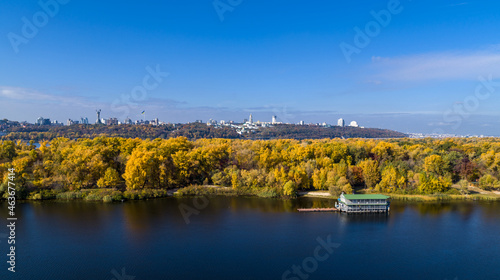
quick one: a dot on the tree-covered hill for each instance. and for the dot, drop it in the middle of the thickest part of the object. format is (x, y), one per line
(193, 131)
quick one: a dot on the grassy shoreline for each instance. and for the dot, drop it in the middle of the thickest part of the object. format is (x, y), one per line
(417, 197)
(114, 195)
(444, 197)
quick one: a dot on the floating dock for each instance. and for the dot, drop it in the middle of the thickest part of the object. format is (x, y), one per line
(317, 209)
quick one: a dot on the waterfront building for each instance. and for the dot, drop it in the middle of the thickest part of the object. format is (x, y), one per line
(363, 203)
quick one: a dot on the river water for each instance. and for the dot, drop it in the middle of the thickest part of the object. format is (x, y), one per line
(251, 238)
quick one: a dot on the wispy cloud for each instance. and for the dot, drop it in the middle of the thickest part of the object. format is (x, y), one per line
(435, 66)
(31, 95)
(458, 4)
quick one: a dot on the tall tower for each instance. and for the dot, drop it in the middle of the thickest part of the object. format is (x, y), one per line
(98, 121)
(341, 122)
(250, 119)
(273, 120)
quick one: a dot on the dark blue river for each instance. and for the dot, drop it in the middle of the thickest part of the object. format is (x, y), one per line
(251, 238)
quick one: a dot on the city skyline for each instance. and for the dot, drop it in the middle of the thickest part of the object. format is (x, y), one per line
(410, 66)
(41, 120)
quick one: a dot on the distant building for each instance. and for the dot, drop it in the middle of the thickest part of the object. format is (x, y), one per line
(250, 119)
(341, 122)
(42, 121)
(55, 122)
(354, 124)
(112, 121)
(274, 120)
(71, 122)
(127, 121)
(301, 123)
(84, 120)
(211, 122)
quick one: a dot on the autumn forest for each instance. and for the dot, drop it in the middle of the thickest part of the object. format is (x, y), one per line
(111, 168)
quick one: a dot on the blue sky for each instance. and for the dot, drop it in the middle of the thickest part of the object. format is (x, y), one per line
(419, 72)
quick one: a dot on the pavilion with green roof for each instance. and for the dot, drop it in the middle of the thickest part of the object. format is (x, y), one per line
(363, 203)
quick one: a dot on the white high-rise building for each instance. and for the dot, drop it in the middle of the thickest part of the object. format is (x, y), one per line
(250, 119)
(273, 120)
(341, 122)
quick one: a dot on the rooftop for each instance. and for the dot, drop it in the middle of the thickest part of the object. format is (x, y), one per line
(365, 196)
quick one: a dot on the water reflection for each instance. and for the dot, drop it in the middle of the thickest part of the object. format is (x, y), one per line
(255, 237)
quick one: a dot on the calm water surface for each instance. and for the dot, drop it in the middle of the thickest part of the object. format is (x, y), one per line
(252, 238)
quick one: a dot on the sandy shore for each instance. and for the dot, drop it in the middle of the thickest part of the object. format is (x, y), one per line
(323, 194)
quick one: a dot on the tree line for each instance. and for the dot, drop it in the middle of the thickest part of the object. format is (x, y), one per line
(270, 168)
(192, 131)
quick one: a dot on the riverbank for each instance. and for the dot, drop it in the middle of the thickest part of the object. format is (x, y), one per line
(114, 195)
(491, 196)
(444, 197)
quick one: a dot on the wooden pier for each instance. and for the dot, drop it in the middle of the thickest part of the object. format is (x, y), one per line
(317, 209)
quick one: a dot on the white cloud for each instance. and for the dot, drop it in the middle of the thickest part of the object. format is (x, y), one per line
(436, 66)
(30, 95)
(458, 4)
